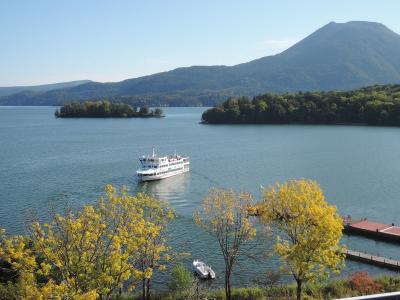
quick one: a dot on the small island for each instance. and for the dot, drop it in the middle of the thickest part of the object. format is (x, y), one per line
(106, 109)
(374, 105)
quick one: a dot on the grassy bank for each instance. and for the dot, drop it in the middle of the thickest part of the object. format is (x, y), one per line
(357, 284)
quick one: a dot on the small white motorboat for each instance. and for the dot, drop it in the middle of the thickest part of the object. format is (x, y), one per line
(203, 270)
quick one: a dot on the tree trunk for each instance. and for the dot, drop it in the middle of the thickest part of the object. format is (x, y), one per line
(228, 294)
(229, 289)
(299, 283)
(226, 286)
(143, 289)
(148, 289)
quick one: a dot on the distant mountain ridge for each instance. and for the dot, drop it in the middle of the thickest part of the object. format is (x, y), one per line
(338, 56)
(9, 90)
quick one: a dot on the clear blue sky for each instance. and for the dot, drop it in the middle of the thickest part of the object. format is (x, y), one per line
(53, 41)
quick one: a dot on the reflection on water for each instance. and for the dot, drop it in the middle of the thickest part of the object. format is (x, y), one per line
(172, 189)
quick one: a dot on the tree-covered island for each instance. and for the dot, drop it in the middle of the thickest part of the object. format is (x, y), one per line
(106, 109)
(373, 105)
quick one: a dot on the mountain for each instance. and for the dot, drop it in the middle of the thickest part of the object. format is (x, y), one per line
(5, 91)
(338, 56)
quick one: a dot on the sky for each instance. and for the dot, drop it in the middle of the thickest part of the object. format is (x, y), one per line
(47, 41)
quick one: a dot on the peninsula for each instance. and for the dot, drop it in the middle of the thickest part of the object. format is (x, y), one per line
(106, 109)
(373, 105)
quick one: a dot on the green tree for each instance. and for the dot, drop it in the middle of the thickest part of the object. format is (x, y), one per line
(375, 105)
(158, 111)
(97, 109)
(182, 281)
(144, 111)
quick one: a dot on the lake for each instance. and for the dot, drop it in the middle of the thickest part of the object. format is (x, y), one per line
(48, 162)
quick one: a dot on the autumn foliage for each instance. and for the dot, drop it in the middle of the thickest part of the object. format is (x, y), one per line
(91, 253)
(224, 215)
(363, 283)
(120, 242)
(308, 230)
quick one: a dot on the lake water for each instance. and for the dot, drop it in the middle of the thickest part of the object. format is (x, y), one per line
(47, 162)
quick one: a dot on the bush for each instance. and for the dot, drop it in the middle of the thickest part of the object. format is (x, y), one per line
(363, 283)
(281, 292)
(337, 289)
(182, 281)
(388, 283)
(250, 293)
(313, 291)
(9, 291)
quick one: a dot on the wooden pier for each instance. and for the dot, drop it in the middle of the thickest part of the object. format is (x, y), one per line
(371, 229)
(373, 259)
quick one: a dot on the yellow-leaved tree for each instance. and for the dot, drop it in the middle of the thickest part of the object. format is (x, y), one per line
(91, 253)
(96, 248)
(309, 229)
(224, 216)
(154, 252)
(21, 258)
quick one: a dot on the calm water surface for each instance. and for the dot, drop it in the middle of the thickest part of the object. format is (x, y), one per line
(47, 162)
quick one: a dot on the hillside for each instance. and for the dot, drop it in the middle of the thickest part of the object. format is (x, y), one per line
(338, 56)
(5, 91)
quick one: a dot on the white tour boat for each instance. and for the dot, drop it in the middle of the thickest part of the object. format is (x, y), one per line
(159, 167)
(203, 270)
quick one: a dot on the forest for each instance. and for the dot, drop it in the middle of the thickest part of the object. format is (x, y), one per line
(373, 105)
(105, 109)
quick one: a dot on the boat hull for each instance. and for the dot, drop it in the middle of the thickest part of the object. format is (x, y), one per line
(162, 176)
(203, 271)
(201, 275)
